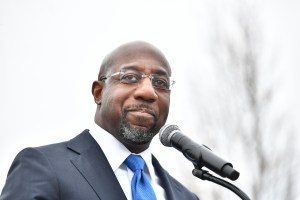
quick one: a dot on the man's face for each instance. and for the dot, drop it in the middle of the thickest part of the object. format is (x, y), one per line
(134, 113)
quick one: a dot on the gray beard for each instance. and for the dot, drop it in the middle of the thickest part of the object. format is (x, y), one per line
(135, 136)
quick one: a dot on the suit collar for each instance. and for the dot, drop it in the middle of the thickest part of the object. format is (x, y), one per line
(94, 167)
(172, 189)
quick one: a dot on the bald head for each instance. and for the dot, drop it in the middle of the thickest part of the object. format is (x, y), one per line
(129, 51)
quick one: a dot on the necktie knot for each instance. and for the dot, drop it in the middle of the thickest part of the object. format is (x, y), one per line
(141, 188)
(135, 162)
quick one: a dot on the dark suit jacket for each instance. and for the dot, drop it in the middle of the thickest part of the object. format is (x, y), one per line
(74, 170)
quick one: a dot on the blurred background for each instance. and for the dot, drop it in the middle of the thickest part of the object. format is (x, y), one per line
(236, 65)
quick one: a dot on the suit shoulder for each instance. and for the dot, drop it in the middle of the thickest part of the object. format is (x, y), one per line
(82, 140)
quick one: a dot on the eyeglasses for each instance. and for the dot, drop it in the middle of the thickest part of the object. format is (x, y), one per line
(131, 77)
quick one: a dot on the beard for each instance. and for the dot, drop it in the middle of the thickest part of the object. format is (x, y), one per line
(135, 135)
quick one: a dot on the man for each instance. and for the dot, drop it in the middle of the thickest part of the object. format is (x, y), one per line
(132, 94)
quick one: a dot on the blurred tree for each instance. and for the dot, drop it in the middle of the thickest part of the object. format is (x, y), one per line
(242, 106)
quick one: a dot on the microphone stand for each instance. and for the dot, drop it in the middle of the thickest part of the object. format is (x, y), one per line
(205, 175)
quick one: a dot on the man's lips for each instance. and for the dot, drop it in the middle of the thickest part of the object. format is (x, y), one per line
(141, 116)
(142, 111)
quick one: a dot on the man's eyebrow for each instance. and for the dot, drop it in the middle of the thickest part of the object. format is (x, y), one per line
(130, 67)
(136, 68)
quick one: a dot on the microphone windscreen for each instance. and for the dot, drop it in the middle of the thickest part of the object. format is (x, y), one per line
(166, 132)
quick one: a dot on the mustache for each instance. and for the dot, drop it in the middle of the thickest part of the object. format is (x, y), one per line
(146, 107)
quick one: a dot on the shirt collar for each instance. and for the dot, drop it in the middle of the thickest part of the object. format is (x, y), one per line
(116, 152)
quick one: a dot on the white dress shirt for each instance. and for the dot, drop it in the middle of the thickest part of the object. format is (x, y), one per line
(116, 153)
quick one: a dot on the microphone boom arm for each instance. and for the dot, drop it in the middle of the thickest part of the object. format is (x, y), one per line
(205, 175)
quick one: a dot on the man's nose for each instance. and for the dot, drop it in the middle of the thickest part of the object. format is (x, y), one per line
(145, 91)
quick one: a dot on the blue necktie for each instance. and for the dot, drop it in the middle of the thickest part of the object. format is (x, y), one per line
(140, 186)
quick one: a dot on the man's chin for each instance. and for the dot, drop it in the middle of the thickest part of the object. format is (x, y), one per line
(133, 134)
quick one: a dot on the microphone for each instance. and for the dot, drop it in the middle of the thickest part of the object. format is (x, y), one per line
(199, 155)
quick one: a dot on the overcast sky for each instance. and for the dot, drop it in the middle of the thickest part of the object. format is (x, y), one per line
(50, 52)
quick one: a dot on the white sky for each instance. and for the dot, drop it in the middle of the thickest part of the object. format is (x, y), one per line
(50, 52)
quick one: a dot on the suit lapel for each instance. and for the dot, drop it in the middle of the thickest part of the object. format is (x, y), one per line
(171, 188)
(94, 167)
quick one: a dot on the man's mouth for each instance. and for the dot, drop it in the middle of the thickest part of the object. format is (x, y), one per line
(140, 116)
(142, 112)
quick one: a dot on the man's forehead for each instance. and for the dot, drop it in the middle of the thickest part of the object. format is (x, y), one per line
(143, 56)
(146, 68)
(138, 51)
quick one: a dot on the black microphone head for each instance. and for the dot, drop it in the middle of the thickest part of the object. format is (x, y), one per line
(166, 132)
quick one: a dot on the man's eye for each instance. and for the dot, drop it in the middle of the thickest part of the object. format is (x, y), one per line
(129, 78)
(160, 83)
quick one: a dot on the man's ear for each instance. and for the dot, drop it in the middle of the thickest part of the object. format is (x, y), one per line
(97, 91)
